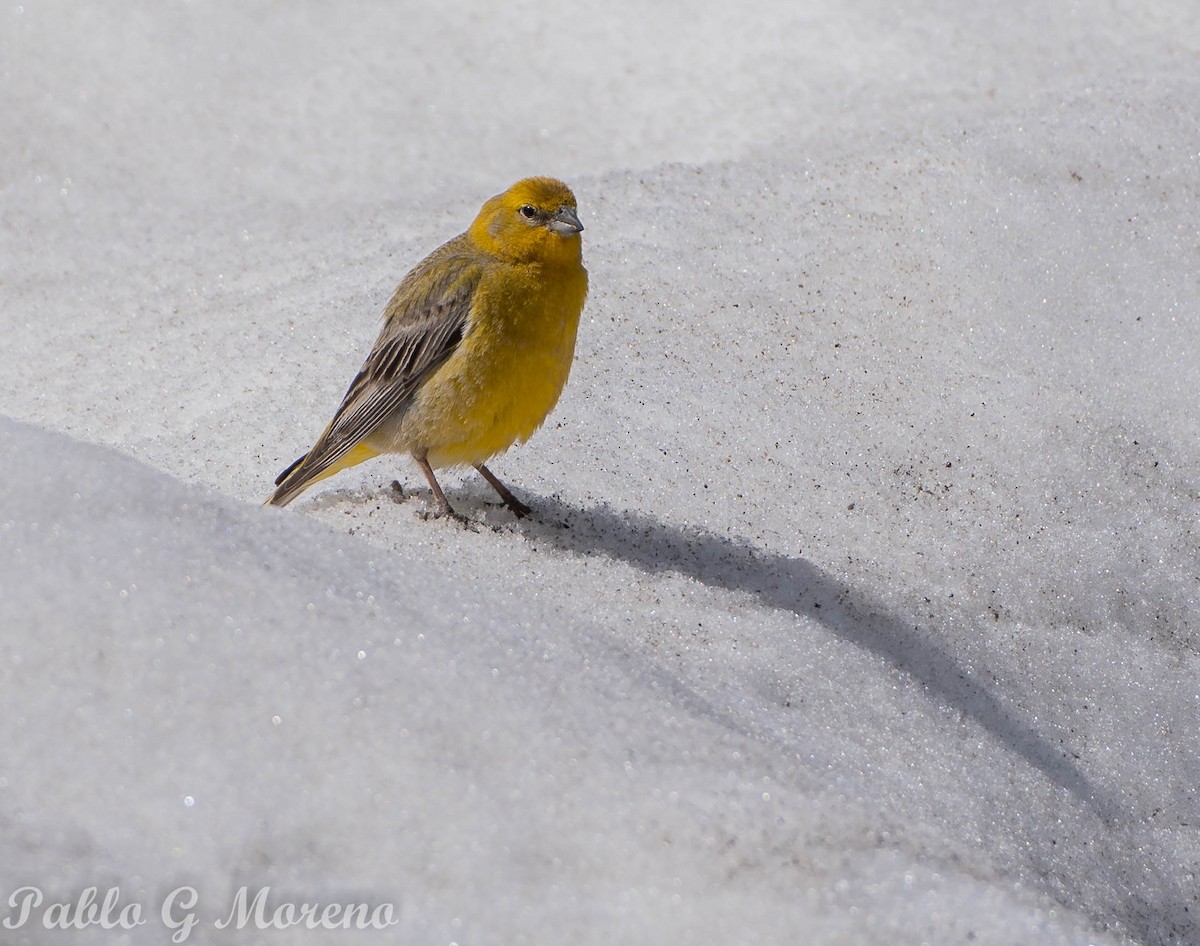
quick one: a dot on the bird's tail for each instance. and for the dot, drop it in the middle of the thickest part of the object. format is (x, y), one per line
(296, 479)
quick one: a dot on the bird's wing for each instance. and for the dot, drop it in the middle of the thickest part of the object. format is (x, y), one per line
(424, 323)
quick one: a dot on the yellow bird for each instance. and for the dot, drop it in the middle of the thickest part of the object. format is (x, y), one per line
(476, 346)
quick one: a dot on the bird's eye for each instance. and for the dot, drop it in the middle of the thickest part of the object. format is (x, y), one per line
(527, 212)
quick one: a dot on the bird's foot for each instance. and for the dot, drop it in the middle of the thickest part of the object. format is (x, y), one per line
(518, 508)
(446, 511)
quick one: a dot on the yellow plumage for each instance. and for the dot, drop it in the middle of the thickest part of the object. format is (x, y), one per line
(476, 347)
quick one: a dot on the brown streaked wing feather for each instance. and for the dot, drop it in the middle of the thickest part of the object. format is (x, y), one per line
(424, 323)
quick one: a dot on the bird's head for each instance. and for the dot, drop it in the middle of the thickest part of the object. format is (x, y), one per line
(534, 220)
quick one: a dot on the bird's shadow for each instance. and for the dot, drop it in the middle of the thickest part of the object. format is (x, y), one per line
(794, 584)
(791, 583)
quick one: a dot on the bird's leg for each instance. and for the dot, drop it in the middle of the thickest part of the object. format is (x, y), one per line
(443, 504)
(519, 509)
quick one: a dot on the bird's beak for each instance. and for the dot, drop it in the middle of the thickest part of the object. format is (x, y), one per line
(565, 222)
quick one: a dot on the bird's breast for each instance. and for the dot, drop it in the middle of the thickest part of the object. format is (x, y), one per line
(508, 372)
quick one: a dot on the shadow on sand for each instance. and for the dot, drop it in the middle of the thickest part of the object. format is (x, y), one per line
(1161, 914)
(796, 585)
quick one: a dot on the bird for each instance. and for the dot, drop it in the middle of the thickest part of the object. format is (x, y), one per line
(475, 349)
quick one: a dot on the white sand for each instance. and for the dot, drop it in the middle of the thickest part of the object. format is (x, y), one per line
(861, 605)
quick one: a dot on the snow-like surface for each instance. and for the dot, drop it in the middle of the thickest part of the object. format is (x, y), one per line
(861, 604)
